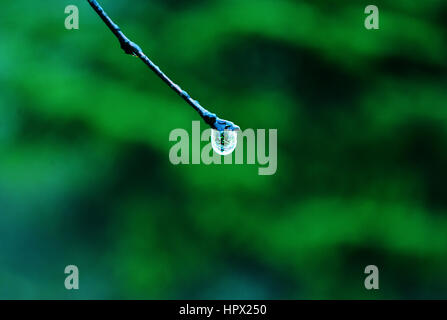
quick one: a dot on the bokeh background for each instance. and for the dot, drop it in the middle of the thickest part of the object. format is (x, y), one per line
(85, 177)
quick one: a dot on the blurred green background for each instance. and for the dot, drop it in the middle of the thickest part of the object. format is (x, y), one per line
(85, 177)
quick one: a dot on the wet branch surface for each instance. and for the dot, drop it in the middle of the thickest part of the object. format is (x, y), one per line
(132, 48)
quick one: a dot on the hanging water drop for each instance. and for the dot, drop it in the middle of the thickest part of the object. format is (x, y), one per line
(223, 142)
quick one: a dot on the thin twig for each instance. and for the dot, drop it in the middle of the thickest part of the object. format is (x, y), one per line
(131, 48)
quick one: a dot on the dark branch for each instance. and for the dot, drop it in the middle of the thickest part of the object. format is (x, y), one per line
(131, 48)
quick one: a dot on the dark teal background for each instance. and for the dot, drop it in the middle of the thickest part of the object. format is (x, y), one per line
(85, 177)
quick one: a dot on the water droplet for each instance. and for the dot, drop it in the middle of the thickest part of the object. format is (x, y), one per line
(223, 142)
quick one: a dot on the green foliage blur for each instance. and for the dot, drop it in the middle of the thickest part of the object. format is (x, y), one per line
(85, 177)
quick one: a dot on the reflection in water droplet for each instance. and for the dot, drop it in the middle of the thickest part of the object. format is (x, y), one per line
(223, 142)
